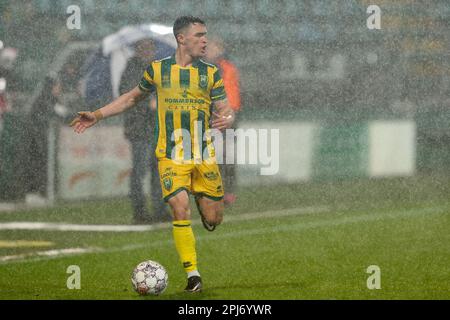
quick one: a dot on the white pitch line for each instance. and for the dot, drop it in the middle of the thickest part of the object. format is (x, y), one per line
(73, 227)
(49, 253)
(343, 220)
(133, 228)
(337, 221)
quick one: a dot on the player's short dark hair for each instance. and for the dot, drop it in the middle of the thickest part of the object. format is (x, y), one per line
(183, 22)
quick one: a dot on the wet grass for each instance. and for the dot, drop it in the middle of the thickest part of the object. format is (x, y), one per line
(400, 225)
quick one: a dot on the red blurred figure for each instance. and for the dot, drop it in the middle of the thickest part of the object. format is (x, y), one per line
(230, 75)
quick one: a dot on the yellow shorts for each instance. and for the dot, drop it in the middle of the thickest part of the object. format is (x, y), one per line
(199, 179)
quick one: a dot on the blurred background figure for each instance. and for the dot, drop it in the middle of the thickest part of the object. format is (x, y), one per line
(139, 125)
(38, 123)
(230, 75)
(3, 104)
(8, 87)
(8, 81)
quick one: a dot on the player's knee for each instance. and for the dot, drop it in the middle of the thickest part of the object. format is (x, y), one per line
(181, 213)
(214, 215)
(218, 212)
(180, 208)
(219, 218)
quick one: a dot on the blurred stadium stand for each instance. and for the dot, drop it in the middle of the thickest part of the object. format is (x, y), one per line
(306, 60)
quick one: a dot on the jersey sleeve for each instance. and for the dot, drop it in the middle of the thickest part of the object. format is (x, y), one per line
(217, 90)
(147, 82)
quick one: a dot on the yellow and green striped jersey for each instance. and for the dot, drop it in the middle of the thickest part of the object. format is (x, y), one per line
(184, 97)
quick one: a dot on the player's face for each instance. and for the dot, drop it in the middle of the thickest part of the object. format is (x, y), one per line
(195, 40)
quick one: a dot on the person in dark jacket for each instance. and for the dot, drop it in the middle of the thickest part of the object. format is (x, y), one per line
(139, 124)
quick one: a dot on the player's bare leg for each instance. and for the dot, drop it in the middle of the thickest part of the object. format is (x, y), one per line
(180, 206)
(211, 211)
(185, 240)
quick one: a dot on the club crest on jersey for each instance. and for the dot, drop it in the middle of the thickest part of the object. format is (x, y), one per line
(184, 94)
(203, 81)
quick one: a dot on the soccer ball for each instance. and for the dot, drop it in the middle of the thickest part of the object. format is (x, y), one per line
(149, 277)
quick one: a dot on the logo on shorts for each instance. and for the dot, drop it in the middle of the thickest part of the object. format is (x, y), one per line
(211, 175)
(167, 181)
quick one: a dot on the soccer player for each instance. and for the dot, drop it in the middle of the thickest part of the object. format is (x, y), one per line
(190, 96)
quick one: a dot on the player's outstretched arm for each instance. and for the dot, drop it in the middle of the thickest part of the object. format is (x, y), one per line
(86, 119)
(223, 117)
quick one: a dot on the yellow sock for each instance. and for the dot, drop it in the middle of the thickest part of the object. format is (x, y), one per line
(185, 244)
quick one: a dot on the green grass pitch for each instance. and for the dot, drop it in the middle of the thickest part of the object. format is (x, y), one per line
(302, 241)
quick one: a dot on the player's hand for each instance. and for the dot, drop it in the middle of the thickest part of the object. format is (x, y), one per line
(222, 121)
(84, 120)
